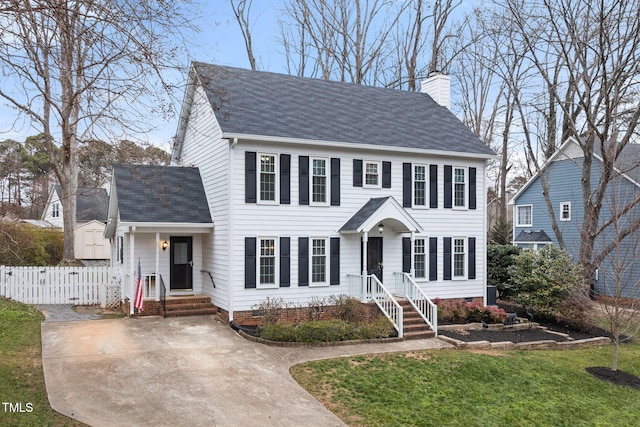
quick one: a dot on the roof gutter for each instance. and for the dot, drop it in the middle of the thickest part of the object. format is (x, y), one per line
(356, 146)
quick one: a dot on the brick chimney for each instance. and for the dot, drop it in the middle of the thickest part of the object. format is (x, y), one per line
(438, 87)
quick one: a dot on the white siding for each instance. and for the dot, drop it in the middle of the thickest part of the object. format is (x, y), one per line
(56, 221)
(256, 220)
(205, 149)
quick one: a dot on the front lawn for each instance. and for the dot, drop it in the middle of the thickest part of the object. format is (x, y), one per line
(23, 397)
(464, 388)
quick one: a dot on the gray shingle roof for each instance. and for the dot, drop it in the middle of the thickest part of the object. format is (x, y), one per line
(160, 194)
(277, 105)
(91, 203)
(363, 214)
(532, 236)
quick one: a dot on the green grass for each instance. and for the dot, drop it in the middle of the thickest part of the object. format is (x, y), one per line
(21, 376)
(463, 388)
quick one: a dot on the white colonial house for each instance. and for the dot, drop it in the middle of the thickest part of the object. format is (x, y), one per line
(91, 215)
(292, 187)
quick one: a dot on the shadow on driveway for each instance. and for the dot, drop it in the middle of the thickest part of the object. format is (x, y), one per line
(191, 371)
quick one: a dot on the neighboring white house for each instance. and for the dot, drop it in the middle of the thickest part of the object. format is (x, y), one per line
(310, 185)
(91, 214)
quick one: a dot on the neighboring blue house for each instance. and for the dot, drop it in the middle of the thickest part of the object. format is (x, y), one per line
(532, 224)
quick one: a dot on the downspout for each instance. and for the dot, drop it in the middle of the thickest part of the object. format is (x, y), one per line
(230, 280)
(132, 268)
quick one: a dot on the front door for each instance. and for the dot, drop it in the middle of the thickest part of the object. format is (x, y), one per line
(374, 257)
(181, 262)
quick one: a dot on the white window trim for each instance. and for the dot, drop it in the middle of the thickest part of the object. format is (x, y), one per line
(327, 257)
(327, 177)
(426, 186)
(517, 216)
(276, 254)
(465, 241)
(55, 210)
(364, 174)
(426, 258)
(276, 166)
(466, 188)
(562, 205)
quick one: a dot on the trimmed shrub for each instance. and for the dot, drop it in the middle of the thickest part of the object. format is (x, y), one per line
(457, 311)
(499, 259)
(325, 331)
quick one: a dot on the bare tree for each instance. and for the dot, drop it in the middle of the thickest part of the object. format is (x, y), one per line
(242, 11)
(87, 69)
(596, 47)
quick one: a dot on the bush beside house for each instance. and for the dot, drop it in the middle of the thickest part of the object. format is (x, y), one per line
(27, 245)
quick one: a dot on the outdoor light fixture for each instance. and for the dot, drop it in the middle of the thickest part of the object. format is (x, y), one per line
(165, 245)
(381, 227)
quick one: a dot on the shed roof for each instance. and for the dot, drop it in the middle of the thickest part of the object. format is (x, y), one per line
(91, 203)
(282, 106)
(160, 194)
(530, 236)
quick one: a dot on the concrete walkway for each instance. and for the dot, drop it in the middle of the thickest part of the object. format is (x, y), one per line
(192, 371)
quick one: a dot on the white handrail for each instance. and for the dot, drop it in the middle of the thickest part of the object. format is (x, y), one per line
(418, 299)
(386, 302)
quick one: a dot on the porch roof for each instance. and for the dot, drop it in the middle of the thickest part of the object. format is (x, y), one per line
(531, 236)
(378, 210)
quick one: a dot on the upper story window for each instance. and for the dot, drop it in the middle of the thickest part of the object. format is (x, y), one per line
(419, 259)
(459, 265)
(565, 211)
(419, 185)
(459, 188)
(268, 178)
(524, 216)
(55, 210)
(319, 181)
(372, 174)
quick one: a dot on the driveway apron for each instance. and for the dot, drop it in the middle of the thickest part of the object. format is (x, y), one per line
(191, 371)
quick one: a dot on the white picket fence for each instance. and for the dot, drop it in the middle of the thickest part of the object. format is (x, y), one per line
(57, 285)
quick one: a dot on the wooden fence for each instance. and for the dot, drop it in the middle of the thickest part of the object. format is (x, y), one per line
(56, 285)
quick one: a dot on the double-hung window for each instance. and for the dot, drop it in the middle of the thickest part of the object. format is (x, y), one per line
(318, 261)
(268, 178)
(419, 259)
(55, 210)
(419, 185)
(267, 262)
(372, 174)
(459, 266)
(319, 181)
(459, 188)
(565, 211)
(524, 216)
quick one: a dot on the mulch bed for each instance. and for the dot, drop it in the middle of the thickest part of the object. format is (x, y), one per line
(616, 377)
(499, 335)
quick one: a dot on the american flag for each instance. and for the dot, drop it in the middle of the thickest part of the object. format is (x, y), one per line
(139, 298)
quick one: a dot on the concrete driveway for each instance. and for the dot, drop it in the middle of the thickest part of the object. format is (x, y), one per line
(191, 371)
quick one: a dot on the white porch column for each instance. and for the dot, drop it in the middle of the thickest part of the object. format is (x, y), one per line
(365, 243)
(157, 282)
(132, 269)
(412, 265)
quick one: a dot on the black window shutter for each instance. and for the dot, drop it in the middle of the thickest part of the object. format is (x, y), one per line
(406, 185)
(304, 179)
(250, 176)
(335, 182)
(303, 261)
(433, 186)
(285, 179)
(447, 258)
(433, 258)
(285, 262)
(447, 186)
(334, 253)
(472, 258)
(357, 173)
(472, 188)
(406, 254)
(249, 262)
(386, 174)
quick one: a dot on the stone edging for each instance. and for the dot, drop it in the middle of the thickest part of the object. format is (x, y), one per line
(320, 344)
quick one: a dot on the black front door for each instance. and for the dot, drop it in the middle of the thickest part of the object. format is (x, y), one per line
(374, 257)
(181, 262)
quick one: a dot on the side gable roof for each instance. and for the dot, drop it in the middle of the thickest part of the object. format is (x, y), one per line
(252, 103)
(160, 194)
